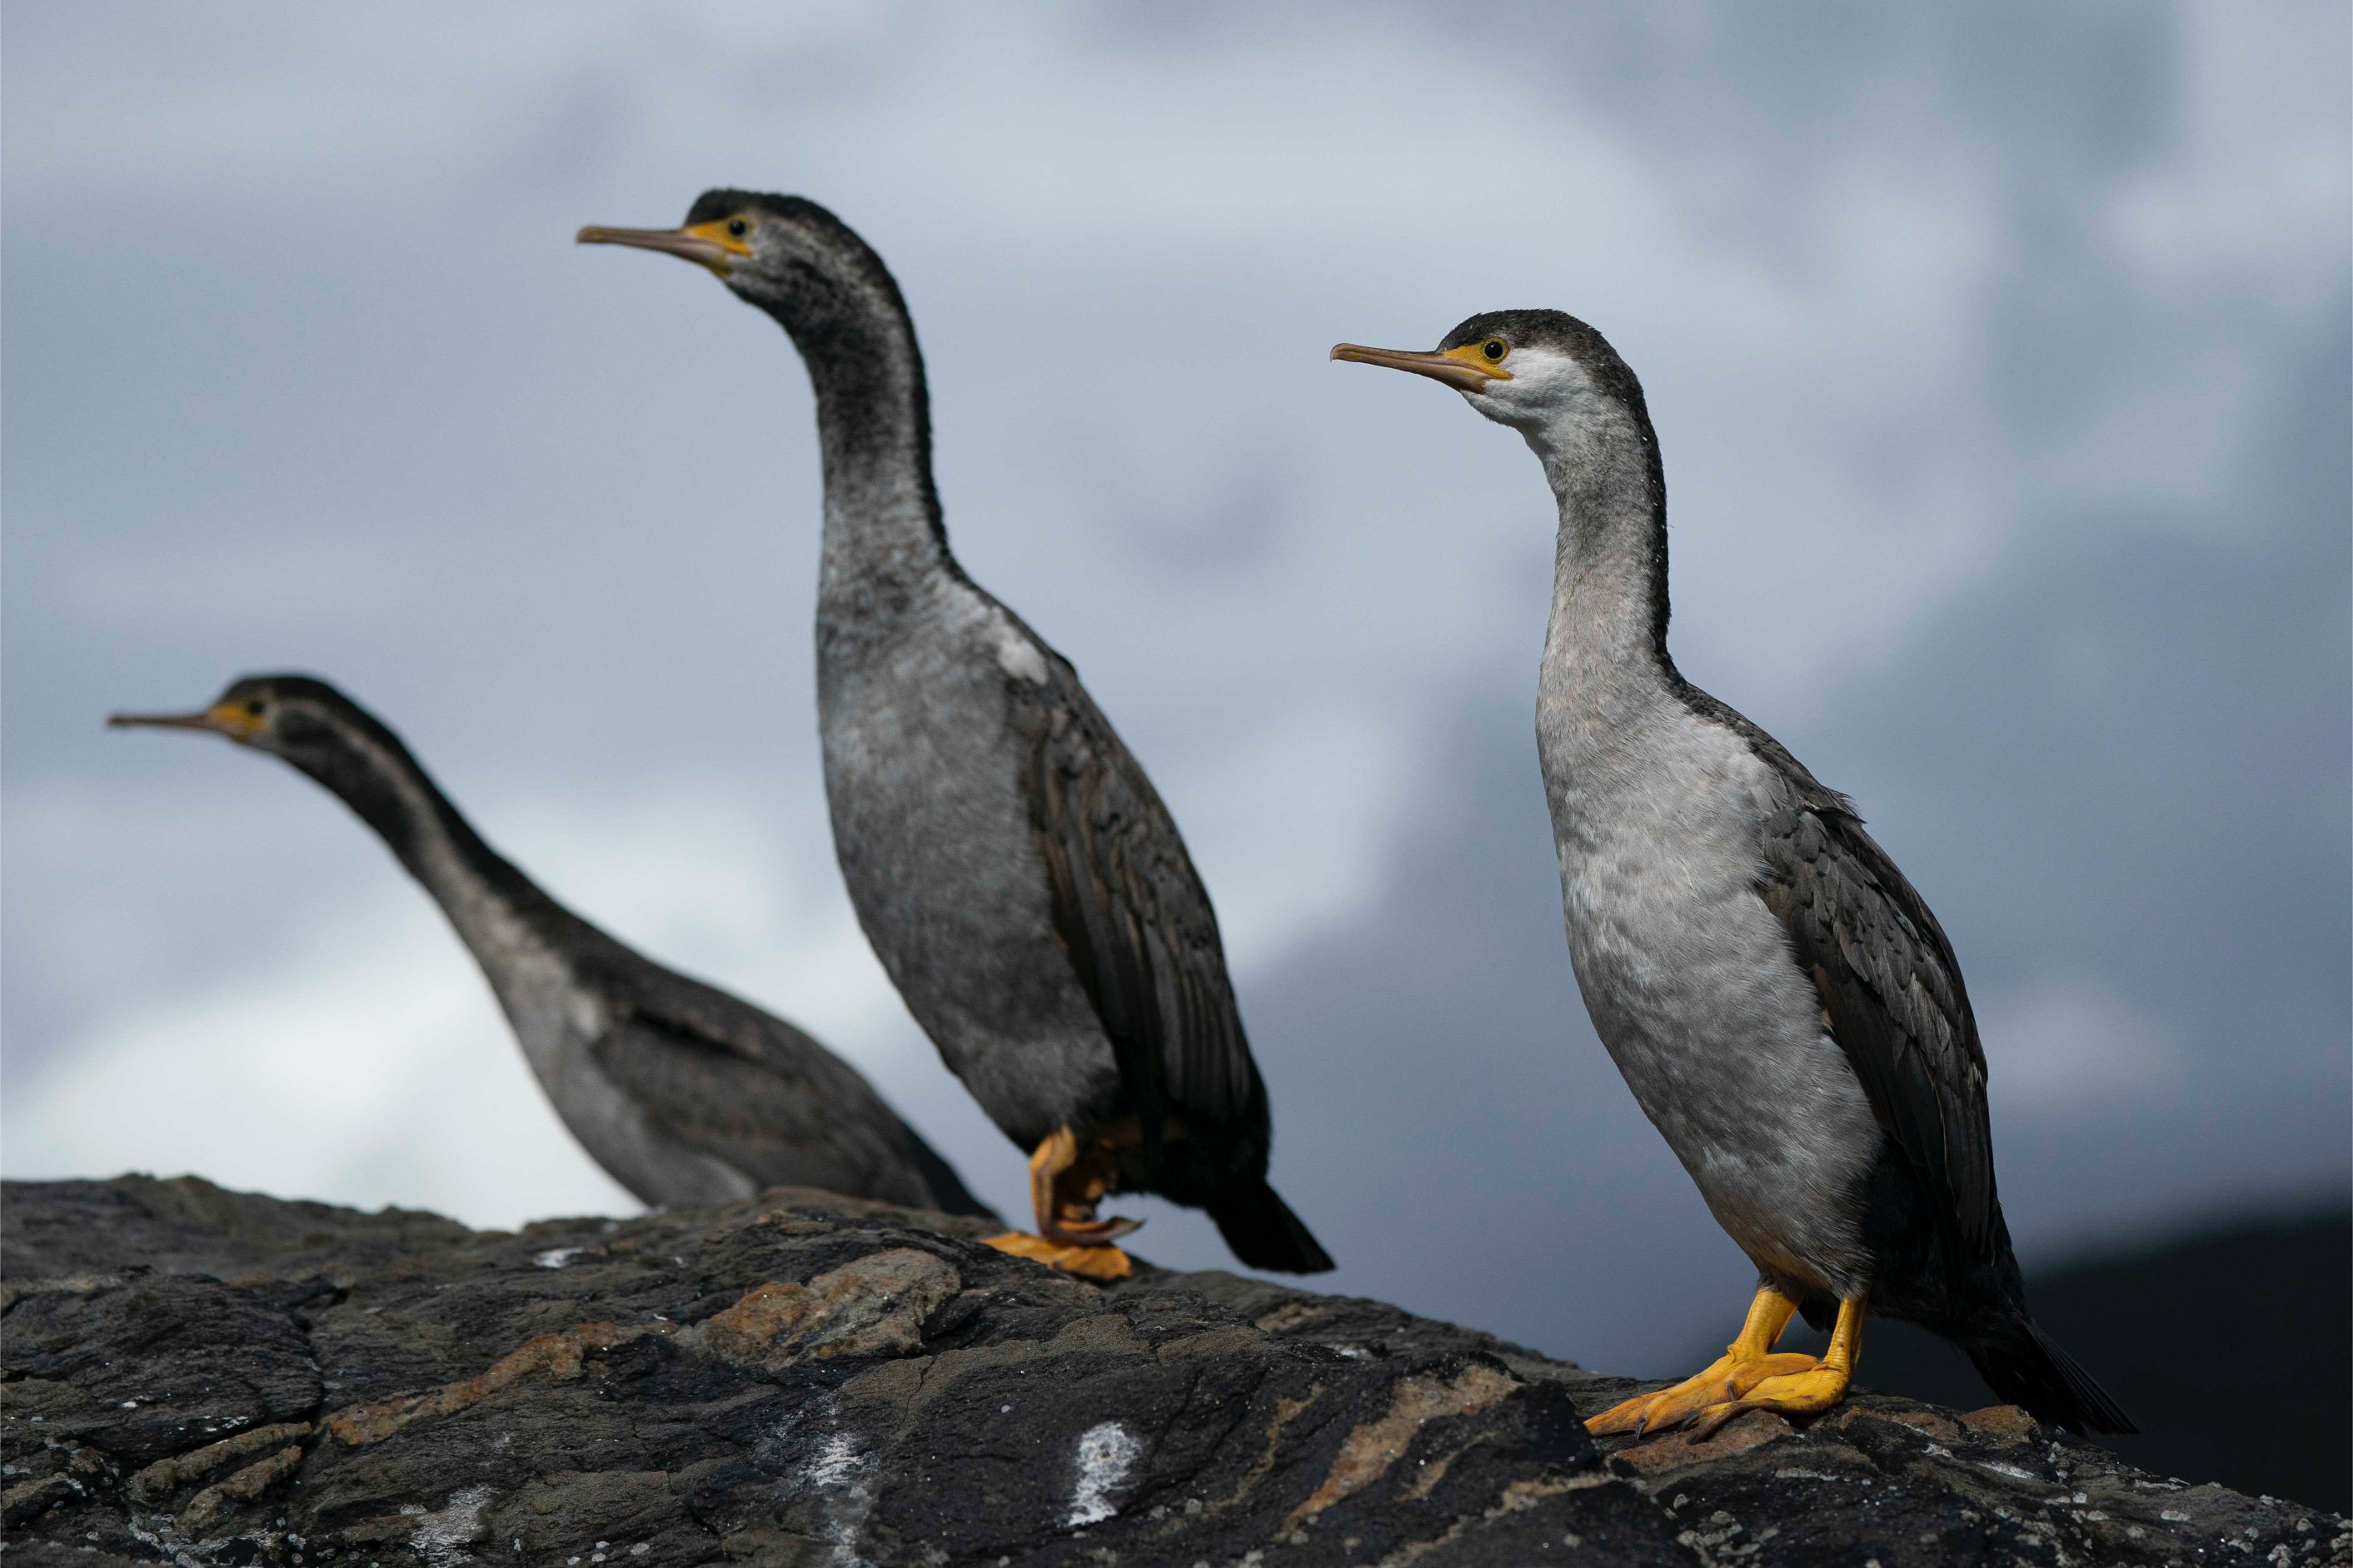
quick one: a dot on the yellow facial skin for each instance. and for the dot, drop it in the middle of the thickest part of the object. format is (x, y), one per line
(711, 245)
(718, 233)
(235, 719)
(1466, 368)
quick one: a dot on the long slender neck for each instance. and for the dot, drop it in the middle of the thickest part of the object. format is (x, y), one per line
(1607, 635)
(883, 539)
(495, 909)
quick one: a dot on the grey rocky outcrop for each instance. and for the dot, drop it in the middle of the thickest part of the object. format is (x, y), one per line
(201, 1376)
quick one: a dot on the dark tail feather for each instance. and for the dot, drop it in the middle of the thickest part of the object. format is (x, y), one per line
(1265, 1233)
(2022, 1365)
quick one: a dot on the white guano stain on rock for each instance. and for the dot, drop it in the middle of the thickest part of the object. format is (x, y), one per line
(838, 1477)
(836, 1463)
(557, 1257)
(1107, 1451)
(441, 1537)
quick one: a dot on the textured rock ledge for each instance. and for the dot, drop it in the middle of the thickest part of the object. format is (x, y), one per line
(200, 1376)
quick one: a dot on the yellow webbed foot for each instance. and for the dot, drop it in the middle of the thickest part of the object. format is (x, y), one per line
(1746, 1361)
(1098, 1263)
(1102, 1263)
(1808, 1392)
(1729, 1378)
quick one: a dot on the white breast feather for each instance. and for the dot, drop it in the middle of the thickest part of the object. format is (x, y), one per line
(1017, 655)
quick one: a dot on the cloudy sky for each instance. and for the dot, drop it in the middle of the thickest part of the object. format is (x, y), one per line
(1999, 353)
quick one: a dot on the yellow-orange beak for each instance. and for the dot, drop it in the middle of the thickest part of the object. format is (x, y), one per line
(1464, 369)
(230, 718)
(706, 244)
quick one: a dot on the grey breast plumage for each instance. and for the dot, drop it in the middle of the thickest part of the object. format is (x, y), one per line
(1891, 991)
(1025, 885)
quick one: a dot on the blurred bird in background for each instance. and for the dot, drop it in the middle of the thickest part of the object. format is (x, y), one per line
(684, 1093)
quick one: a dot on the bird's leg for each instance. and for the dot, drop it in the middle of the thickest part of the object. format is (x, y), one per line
(1056, 1154)
(1808, 1392)
(1746, 1363)
(1069, 1236)
(1065, 1195)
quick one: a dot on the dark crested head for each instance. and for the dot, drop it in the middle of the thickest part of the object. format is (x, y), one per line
(1553, 331)
(316, 728)
(1528, 369)
(721, 204)
(785, 254)
(298, 717)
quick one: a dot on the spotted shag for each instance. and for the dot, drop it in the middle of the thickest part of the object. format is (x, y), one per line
(1023, 884)
(1779, 999)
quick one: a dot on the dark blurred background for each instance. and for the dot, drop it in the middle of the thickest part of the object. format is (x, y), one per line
(1999, 354)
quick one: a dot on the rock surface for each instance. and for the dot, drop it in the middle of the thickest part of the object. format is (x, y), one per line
(199, 1376)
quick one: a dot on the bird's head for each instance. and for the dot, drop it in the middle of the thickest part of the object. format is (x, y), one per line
(1540, 371)
(303, 719)
(785, 254)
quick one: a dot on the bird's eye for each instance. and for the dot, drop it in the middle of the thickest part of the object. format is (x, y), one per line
(257, 707)
(1494, 348)
(737, 227)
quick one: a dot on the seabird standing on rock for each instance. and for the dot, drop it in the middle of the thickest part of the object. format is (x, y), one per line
(682, 1093)
(1024, 886)
(1782, 1004)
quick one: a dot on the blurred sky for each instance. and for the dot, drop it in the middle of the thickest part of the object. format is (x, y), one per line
(1999, 353)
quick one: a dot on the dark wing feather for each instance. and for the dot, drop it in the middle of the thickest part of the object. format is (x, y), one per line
(1134, 915)
(1892, 991)
(722, 1077)
(1890, 986)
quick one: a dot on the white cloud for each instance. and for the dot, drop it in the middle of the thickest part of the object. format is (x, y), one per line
(333, 1040)
(2253, 201)
(365, 1064)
